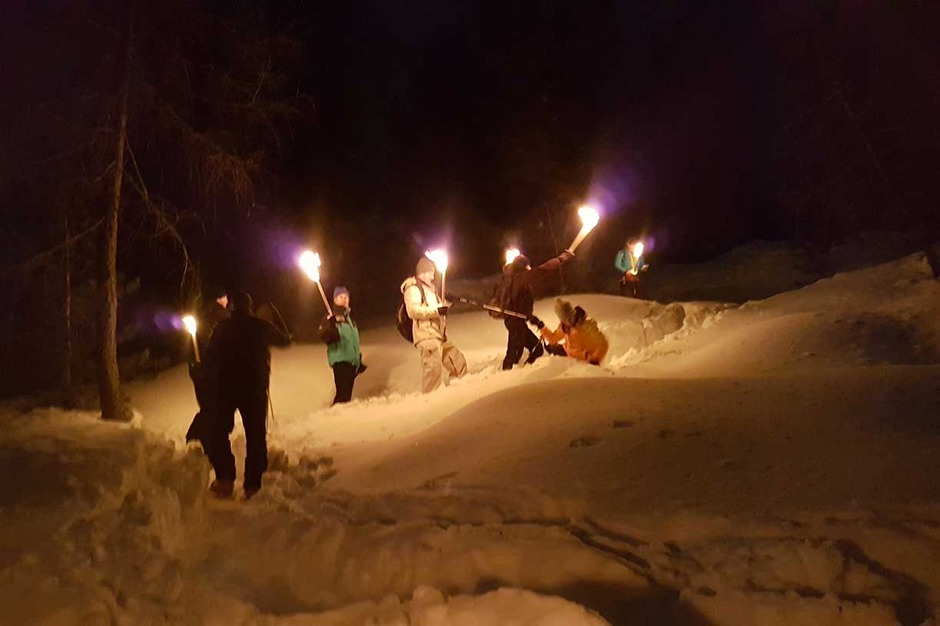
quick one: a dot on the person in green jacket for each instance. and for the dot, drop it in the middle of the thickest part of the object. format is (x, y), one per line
(630, 264)
(341, 335)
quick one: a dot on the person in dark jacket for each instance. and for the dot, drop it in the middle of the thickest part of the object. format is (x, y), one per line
(516, 292)
(202, 373)
(239, 350)
(341, 336)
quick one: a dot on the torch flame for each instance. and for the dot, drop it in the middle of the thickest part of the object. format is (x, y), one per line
(190, 323)
(638, 249)
(310, 263)
(511, 254)
(589, 217)
(439, 257)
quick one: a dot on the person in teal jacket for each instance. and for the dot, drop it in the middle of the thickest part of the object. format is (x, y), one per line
(629, 262)
(341, 335)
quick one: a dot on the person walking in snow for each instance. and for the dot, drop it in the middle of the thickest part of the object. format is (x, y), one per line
(239, 350)
(516, 292)
(203, 374)
(429, 314)
(630, 264)
(579, 334)
(341, 336)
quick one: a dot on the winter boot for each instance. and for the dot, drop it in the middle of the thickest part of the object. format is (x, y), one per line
(222, 488)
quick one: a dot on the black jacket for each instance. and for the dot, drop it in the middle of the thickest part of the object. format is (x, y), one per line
(239, 350)
(517, 286)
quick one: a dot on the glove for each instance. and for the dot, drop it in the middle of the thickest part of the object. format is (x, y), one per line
(362, 367)
(535, 322)
(442, 310)
(566, 254)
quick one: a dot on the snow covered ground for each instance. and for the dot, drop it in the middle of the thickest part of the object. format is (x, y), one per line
(769, 463)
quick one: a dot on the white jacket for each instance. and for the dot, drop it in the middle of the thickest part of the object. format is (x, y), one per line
(426, 321)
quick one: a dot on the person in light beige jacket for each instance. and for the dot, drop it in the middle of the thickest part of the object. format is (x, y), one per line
(429, 325)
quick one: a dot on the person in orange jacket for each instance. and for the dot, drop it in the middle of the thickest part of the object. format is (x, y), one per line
(582, 339)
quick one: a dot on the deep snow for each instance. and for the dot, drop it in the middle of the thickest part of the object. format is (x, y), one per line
(769, 463)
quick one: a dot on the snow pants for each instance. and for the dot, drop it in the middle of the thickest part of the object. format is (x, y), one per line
(436, 356)
(629, 285)
(520, 338)
(344, 376)
(251, 402)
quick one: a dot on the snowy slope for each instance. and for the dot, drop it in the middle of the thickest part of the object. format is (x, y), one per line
(770, 463)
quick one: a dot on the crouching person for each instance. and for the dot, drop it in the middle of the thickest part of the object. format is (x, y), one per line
(429, 325)
(239, 350)
(579, 333)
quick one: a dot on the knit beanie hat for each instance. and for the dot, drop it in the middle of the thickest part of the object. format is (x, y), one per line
(242, 302)
(424, 265)
(564, 310)
(338, 291)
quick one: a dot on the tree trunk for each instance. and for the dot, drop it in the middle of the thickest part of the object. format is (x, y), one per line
(113, 406)
(67, 314)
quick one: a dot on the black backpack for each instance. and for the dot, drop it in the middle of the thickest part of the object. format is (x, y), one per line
(405, 327)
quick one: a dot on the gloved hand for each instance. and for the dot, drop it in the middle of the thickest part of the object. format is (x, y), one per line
(362, 366)
(442, 310)
(535, 321)
(567, 254)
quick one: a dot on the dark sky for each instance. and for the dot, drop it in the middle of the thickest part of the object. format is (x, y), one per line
(698, 123)
(504, 111)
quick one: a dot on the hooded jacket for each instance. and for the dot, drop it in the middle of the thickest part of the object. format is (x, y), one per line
(426, 321)
(583, 339)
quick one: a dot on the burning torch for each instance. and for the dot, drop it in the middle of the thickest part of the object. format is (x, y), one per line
(310, 264)
(589, 219)
(636, 252)
(190, 323)
(439, 258)
(511, 254)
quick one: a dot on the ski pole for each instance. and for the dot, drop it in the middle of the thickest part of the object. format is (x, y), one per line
(280, 319)
(490, 307)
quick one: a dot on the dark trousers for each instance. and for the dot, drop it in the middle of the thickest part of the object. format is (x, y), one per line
(629, 285)
(204, 385)
(520, 338)
(252, 404)
(344, 375)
